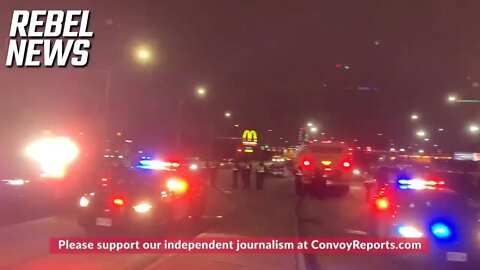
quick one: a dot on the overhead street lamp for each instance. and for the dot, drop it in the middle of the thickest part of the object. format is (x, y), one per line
(451, 98)
(201, 92)
(414, 116)
(474, 128)
(455, 99)
(421, 133)
(228, 114)
(143, 54)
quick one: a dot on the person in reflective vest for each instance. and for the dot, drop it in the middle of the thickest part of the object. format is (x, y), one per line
(261, 171)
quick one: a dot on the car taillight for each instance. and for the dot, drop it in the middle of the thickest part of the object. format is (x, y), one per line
(382, 203)
(118, 201)
(177, 185)
(346, 164)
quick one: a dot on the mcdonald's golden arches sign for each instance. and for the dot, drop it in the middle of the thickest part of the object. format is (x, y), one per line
(249, 137)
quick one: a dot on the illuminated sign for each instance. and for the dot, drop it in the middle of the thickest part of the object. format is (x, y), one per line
(248, 149)
(250, 138)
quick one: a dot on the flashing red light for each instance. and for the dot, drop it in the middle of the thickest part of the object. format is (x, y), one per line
(381, 203)
(346, 164)
(118, 201)
(177, 185)
(307, 163)
(338, 65)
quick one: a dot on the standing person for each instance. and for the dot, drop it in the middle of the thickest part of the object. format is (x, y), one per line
(260, 179)
(235, 170)
(298, 181)
(246, 170)
(212, 174)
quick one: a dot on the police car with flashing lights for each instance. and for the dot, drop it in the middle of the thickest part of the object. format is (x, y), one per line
(415, 206)
(141, 198)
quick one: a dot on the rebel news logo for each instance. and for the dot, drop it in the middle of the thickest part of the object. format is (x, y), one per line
(49, 38)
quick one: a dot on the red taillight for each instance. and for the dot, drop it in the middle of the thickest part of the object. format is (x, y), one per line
(346, 164)
(118, 201)
(177, 185)
(381, 203)
(307, 163)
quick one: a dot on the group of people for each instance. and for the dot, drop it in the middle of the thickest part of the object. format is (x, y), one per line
(243, 171)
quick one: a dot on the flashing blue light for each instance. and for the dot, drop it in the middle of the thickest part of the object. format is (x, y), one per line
(403, 181)
(441, 230)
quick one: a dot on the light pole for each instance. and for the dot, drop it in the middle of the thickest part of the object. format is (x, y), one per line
(142, 54)
(200, 92)
(421, 133)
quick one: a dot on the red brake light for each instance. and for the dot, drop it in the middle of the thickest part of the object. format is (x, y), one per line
(346, 164)
(118, 201)
(307, 163)
(381, 203)
(177, 185)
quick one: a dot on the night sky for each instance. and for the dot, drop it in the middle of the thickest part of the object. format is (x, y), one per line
(271, 63)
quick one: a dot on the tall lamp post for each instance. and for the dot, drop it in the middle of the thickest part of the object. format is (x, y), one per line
(201, 93)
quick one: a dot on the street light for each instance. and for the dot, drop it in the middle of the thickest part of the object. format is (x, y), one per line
(313, 129)
(421, 133)
(228, 114)
(143, 54)
(201, 92)
(474, 128)
(414, 116)
(310, 124)
(451, 98)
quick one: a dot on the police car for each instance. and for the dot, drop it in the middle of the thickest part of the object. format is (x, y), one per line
(140, 198)
(415, 206)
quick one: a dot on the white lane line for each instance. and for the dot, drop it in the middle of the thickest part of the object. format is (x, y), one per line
(357, 232)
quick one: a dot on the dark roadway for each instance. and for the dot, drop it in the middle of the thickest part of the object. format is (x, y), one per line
(273, 212)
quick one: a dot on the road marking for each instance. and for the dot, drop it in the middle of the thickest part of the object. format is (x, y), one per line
(351, 231)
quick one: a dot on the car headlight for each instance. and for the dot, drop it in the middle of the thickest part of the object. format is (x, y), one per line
(409, 232)
(142, 207)
(84, 202)
(193, 167)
